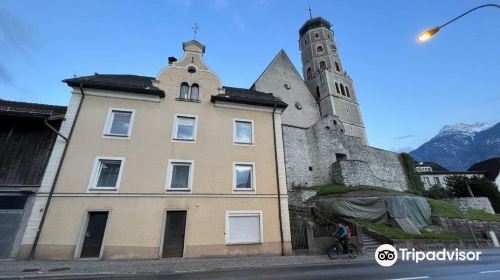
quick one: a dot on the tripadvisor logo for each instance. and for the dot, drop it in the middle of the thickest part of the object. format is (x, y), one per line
(387, 255)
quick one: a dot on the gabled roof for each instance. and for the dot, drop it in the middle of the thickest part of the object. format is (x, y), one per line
(490, 166)
(8, 107)
(280, 56)
(435, 167)
(250, 97)
(114, 82)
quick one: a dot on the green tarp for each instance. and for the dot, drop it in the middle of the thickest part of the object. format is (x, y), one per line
(378, 209)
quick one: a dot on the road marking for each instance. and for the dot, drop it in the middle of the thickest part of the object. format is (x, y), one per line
(490, 271)
(411, 278)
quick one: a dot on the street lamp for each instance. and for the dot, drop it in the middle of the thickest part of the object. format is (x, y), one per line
(426, 35)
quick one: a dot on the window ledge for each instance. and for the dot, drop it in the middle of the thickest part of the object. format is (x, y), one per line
(243, 143)
(183, 140)
(243, 243)
(243, 190)
(116, 135)
(188, 100)
(97, 189)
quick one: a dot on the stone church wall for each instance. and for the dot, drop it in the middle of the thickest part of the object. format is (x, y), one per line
(322, 154)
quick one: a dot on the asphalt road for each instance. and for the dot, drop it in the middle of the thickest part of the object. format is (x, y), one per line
(488, 267)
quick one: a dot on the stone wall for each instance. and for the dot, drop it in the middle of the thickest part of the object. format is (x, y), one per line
(310, 155)
(479, 203)
(460, 225)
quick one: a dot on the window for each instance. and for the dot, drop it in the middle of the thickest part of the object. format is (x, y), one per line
(244, 227)
(318, 94)
(333, 48)
(342, 89)
(319, 49)
(437, 181)
(328, 35)
(347, 91)
(185, 128)
(322, 65)
(184, 92)
(119, 123)
(305, 42)
(106, 174)
(316, 35)
(180, 175)
(243, 132)
(337, 66)
(195, 92)
(427, 181)
(337, 88)
(244, 176)
(309, 73)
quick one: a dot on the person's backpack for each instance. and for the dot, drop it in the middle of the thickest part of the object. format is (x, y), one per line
(348, 231)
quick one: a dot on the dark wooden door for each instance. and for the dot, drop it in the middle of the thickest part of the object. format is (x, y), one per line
(94, 235)
(175, 226)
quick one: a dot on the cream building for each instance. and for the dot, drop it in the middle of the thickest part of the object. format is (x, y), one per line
(172, 166)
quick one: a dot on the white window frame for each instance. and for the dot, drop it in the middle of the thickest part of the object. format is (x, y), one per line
(94, 177)
(195, 129)
(109, 122)
(239, 213)
(170, 169)
(253, 189)
(234, 132)
(427, 181)
(437, 181)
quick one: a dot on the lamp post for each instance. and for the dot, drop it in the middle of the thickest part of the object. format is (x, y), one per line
(426, 35)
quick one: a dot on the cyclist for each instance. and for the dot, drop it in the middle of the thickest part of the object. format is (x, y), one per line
(343, 235)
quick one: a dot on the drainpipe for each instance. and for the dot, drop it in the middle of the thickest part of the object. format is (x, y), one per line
(49, 199)
(278, 185)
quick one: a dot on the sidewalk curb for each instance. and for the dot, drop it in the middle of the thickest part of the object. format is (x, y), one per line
(168, 272)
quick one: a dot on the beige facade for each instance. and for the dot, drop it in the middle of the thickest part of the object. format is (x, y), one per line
(138, 205)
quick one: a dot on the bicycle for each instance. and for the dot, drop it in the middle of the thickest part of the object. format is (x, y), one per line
(351, 251)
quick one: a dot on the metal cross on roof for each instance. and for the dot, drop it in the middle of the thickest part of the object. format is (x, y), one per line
(195, 29)
(310, 12)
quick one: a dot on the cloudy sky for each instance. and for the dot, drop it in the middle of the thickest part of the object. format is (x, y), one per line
(407, 90)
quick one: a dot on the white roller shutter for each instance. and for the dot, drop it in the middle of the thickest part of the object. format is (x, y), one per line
(244, 228)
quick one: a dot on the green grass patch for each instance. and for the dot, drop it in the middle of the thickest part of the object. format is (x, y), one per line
(396, 233)
(444, 209)
(339, 189)
(481, 215)
(447, 209)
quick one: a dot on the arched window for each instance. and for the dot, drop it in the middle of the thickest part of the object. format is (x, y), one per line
(319, 49)
(305, 42)
(317, 92)
(337, 66)
(195, 91)
(342, 89)
(347, 91)
(337, 88)
(322, 65)
(332, 47)
(184, 92)
(309, 73)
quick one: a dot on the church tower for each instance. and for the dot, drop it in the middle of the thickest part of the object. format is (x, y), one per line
(325, 77)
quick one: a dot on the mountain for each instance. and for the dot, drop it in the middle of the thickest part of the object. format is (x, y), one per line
(457, 147)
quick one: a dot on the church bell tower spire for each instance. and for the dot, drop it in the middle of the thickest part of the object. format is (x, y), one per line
(325, 77)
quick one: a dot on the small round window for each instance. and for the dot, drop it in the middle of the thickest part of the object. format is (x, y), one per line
(287, 86)
(298, 105)
(316, 35)
(191, 69)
